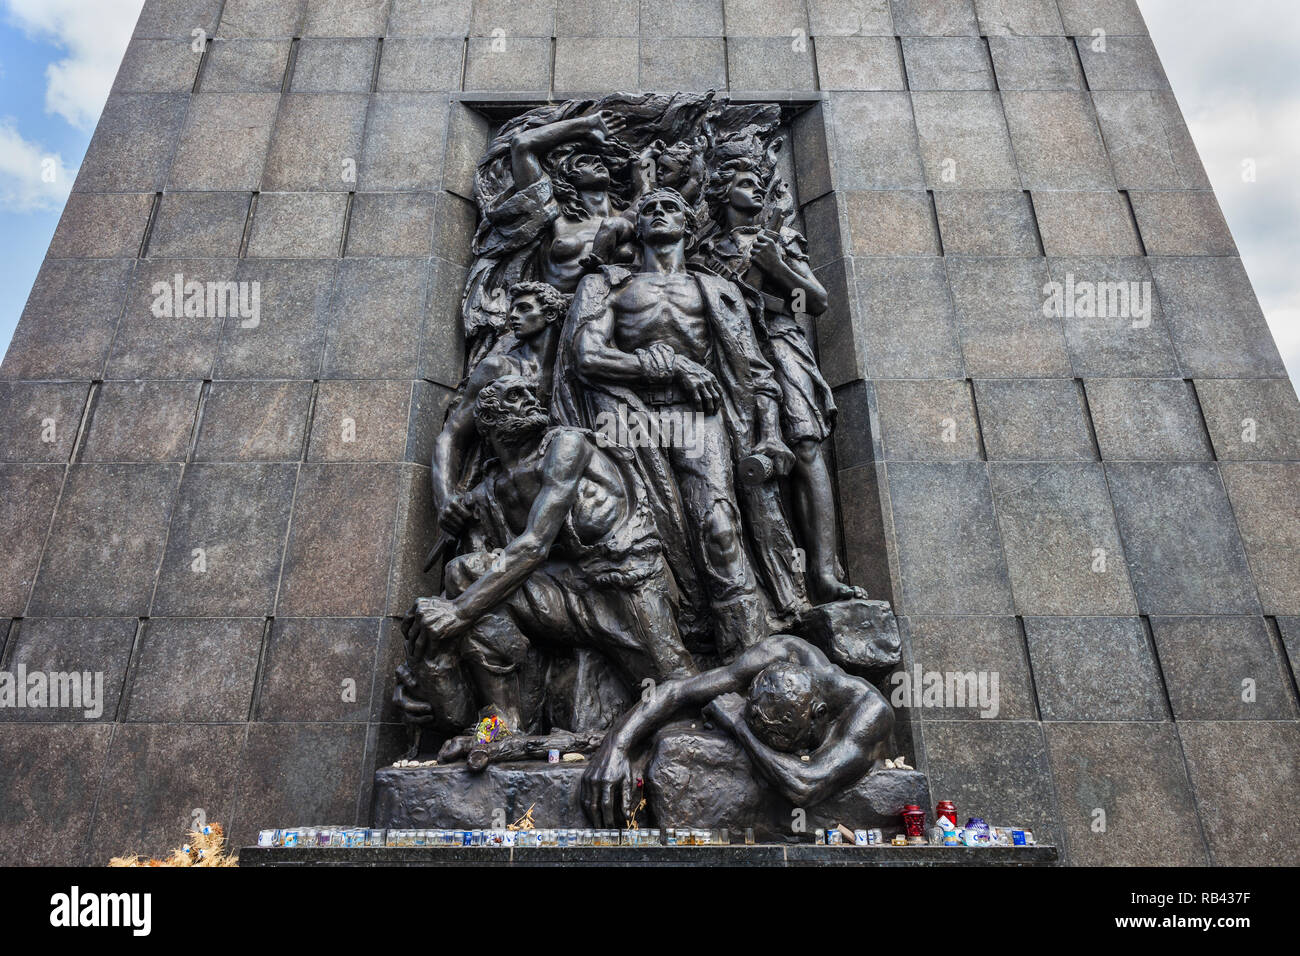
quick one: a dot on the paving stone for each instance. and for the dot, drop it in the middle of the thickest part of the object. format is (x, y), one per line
(597, 18)
(976, 646)
(141, 421)
(302, 225)
(96, 650)
(1223, 668)
(964, 142)
(1035, 63)
(1182, 224)
(1085, 224)
(106, 541)
(429, 18)
(947, 63)
(133, 143)
(318, 670)
(1147, 420)
(1056, 140)
(935, 18)
(1018, 18)
(1184, 553)
(875, 135)
(1095, 668)
(891, 223)
(375, 319)
(1034, 420)
(442, 345)
(1241, 773)
(949, 552)
(405, 135)
(254, 421)
(519, 18)
(421, 63)
(843, 18)
(218, 659)
(293, 303)
(241, 123)
(360, 421)
(1214, 318)
(859, 63)
(391, 224)
(995, 769)
(44, 770)
(101, 226)
(334, 66)
(199, 224)
(345, 18)
(683, 63)
(1116, 17)
(246, 66)
(41, 420)
(593, 64)
(1251, 419)
(1126, 63)
(337, 560)
(769, 63)
(508, 63)
(67, 326)
(317, 142)
(262, 18)
(1063, 551)
(227, 536)
(153, 341)
(1263, 497)
(1134, 774)
(156, 778)
(1149, 144)
(986, 223)
(1004, 332)
(157, 66)
(927, 421)
(1114, 325)
(905, 324)
(177, 18)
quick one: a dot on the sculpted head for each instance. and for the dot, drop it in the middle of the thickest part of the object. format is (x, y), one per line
(785, 710)
(663, 216)
(534, 306)
(507, 410)
(738, 184)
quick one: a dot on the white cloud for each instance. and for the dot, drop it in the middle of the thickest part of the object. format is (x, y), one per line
(30, 178)
(94, 33)
(1232, 69)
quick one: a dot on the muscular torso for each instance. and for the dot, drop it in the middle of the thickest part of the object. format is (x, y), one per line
(600, 505)
(569, 244)
(653, 307)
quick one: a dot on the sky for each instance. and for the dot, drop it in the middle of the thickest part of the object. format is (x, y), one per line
(1232, 65)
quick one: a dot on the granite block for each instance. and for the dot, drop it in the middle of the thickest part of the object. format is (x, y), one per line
(1063, 551)
(429, 18)
(468, 133)
(596, 18)
(947, 63)
(133, 143)
(905, 324)
(770, 63)
(262, 18)
(210, 225)
(391, 224)
(41, 420)
(254, 421)
(986, 223)
(1034, 420)
(1035, 63)
(154, 339)
(683, 63)
(106, 541)
(1182, 224)
(420, 64)
(1251, 419)
(936, 18)
(594, 64)
(442, 346)
(360, 421)
(157, 66)
(764, 18)
(337, 559)
(297, 226)
(1000, 310)
(218, 658)
(1134, 775)
(101, 226)
(318, 670)
(985, 646)
(1149, 144)
(30, 493)
(414, 536)
(964, 142)
(317, 143)
(375, 319)
(1095, 669)
(1115, 17)
(1214, 319)
(1263, 496)
(510, 62)
(289, 337)
(927, 420)
(142, 421)
(845, 18)
(1184, 552)
(100, 647)
(246, 66)
(226, 540)
(1147, 420)
(1018, 18)
(859, 63)
(1086, 224)
(1056, 140)
(1125, 63)
(875, 136)
(681, 18)
(949, 553)
(1223, 668)
(891, 223)
(177, 18)
(405, 136)
(345, 18)
(523, 18)
(241, 123)
(335, 66)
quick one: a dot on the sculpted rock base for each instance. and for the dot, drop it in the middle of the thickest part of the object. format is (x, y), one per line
(451, 797)
(859, 636)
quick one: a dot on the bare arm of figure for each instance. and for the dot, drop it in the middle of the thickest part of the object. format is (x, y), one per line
(529, 148)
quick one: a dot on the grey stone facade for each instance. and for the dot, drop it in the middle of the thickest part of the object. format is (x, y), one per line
(952, 158)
